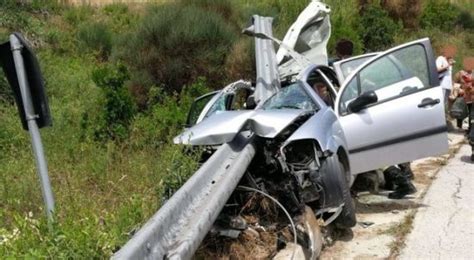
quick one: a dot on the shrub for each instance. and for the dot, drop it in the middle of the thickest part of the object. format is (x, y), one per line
(407, 11)
(439, 14)
(377, 28)
(118, 109)
(345, 24)
(465, 20)
(174, 45)
(96, 37)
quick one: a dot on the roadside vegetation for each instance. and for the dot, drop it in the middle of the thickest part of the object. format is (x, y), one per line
(120, 80)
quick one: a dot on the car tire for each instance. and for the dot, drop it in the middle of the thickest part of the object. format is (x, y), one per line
(347, 217)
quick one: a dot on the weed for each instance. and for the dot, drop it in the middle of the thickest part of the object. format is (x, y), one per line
(96, 37)
(400, 231)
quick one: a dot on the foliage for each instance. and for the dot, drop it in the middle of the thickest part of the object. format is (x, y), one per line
(465, 20)
(345, 24)
(439, 14)
(174, 45)
(406, 11)
(118, 108)
(377, 28)
(96, 37)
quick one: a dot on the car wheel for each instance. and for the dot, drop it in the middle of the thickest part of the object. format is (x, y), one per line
(347, 217)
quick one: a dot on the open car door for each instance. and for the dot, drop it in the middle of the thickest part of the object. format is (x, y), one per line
(391, 108)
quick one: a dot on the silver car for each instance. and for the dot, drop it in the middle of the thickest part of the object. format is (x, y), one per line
(387, 111)
(376, 110)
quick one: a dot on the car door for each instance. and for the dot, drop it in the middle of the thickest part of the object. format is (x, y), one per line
(391, 108)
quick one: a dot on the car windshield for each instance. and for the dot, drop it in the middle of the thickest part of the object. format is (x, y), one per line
(290, 97)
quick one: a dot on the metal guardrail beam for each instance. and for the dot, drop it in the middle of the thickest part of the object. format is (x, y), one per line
(268, 79)
(177, 229)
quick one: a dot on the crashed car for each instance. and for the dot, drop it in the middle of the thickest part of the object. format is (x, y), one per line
(384, 108)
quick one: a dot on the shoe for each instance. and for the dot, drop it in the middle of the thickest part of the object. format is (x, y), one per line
(401, 192)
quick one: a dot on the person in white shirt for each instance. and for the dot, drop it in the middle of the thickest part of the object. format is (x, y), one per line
(444, 65)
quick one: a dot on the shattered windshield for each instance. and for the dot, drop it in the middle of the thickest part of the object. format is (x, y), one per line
(290, 97)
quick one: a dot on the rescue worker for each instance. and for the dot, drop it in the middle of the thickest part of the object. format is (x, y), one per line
(466, 79)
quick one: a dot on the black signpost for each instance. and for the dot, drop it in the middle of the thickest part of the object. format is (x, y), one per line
(24, 76)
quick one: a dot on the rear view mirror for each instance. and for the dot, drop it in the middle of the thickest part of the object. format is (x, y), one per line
(34, 80)
(362, 101)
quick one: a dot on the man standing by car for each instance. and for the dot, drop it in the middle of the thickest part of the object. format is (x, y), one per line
(444, 64)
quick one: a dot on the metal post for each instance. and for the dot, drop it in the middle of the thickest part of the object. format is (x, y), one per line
(33, 128)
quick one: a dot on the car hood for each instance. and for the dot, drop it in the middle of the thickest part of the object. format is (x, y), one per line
(223, 127)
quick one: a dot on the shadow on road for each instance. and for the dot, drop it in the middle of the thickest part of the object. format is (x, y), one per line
(466, 159)
(386, 206)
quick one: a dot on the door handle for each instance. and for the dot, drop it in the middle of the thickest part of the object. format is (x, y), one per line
(427, 102)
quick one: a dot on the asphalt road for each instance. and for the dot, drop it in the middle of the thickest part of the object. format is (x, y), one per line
(444, 227)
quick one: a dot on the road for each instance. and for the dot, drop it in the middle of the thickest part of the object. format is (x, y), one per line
(444, 227)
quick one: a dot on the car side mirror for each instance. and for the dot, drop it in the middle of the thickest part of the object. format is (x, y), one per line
(362, 101)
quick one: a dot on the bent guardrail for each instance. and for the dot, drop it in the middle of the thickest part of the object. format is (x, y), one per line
(177, 229)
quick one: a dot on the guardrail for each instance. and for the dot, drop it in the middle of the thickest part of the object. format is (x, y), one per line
(177, 229)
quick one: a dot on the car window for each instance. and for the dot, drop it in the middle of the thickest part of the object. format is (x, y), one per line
(395, 74)
(291, 97)
(350, 66)
(197, 107)
(221, 104)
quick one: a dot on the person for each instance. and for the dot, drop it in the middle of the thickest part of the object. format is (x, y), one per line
(399, 179)
(344, 49)
(322, 90)
(466, 79)
(444, 64)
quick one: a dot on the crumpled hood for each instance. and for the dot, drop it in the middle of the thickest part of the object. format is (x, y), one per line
(223, 127)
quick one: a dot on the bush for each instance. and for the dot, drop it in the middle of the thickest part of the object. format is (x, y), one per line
(439, 14)
(377, 28)
(118, 109)
(96, 37)
(345, 24)
(174, 45)
(407, 11)
(465, 20)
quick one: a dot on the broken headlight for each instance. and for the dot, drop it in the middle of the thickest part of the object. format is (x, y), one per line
(300, 155)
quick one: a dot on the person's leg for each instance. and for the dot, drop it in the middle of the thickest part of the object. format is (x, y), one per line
(471, 129)
(401, 180)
